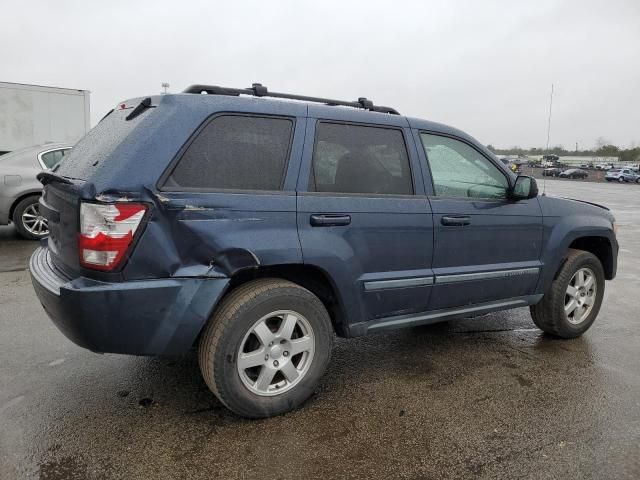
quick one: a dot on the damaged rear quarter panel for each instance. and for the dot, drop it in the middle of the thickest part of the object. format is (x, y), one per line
(216, 234)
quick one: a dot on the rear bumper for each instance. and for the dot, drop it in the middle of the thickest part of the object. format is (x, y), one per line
(143, 317)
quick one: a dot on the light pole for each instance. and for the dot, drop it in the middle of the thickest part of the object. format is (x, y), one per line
(165, 86)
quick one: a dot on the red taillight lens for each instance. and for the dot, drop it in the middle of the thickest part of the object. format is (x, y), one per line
(106, 232)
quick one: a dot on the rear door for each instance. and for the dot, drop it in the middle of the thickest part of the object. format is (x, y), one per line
(362, 214)
(487, 247)
(230, 200)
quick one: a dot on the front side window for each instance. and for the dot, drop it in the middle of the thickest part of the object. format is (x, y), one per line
(358, 159)
(51, 159)
(236, 152)
(459, 170)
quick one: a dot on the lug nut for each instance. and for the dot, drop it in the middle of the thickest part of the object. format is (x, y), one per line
(276, 363)
(266, 357)
(286, 353)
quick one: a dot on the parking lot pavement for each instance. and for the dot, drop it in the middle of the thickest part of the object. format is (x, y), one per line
(490, 397)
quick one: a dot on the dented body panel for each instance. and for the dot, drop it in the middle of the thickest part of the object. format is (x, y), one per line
(144, 317)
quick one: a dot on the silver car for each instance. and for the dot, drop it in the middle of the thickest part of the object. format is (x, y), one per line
(622, 175)
(20, 190)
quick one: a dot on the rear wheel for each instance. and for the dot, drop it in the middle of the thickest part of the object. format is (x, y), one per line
(573, 301)
(27, 219)
(266, 347)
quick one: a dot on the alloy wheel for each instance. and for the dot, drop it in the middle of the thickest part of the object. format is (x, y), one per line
(276, 353)
(33, 222)
(580, 296)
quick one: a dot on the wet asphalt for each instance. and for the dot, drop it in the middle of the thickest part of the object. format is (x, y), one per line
(489, 397)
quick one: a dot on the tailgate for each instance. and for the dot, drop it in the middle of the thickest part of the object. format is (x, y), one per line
(59, 204)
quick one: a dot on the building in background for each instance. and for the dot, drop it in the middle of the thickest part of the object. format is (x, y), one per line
(33, 114)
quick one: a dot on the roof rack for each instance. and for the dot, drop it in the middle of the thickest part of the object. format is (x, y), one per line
(259, 90)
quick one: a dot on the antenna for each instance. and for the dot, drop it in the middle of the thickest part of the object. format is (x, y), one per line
(544, 177)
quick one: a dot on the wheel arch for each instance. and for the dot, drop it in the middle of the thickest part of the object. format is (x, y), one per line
(313, 278)
(600, 247)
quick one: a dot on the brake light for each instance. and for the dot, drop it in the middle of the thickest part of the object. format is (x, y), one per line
(106, 233)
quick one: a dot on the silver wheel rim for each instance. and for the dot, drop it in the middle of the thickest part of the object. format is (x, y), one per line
(33, 222)
(580, 296)
(276, 353)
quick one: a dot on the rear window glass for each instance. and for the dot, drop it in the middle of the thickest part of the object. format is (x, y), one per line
(236, 152)
(97, 145)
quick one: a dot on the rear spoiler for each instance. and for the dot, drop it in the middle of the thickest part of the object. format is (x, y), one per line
(84, 189)
(49, 177)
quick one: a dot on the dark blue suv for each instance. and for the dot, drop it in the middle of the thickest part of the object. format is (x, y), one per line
(255, 225)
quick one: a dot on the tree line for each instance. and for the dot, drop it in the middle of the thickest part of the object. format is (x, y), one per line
(603, 148)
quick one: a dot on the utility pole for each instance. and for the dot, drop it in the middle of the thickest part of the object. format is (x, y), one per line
(549, 124)
(544, 177)
(165, 86)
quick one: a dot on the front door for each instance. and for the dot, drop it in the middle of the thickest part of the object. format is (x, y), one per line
(363, 217)
(487, 246)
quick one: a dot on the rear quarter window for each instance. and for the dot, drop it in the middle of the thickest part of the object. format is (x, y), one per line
(235, 152)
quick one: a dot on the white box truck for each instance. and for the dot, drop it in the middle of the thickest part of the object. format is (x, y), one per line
(33, 114)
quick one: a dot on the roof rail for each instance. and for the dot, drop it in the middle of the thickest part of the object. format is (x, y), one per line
(259, 90)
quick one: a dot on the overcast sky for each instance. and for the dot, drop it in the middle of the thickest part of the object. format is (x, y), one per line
(483, 66)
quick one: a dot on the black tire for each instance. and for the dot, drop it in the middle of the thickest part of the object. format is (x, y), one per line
(549, 315)
(621, 179)
(23, 230)
(233, 320)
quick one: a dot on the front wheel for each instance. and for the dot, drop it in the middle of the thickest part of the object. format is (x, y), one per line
(573, 301)
(266, 347)
(621, 179)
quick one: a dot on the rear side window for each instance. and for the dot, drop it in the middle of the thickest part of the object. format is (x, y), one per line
(360, 159)
(236, 152)
(51, 159)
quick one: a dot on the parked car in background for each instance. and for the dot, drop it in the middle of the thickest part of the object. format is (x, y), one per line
(622, 175)
(255, 231)
(604, 166)
(550, 158)
(635, 167)
(20, 190)
(574, 173)
(551, 172)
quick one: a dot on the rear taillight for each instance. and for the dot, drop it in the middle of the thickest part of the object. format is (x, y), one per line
(106, 233)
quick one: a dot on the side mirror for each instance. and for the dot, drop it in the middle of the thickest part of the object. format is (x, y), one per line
(525, 187)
